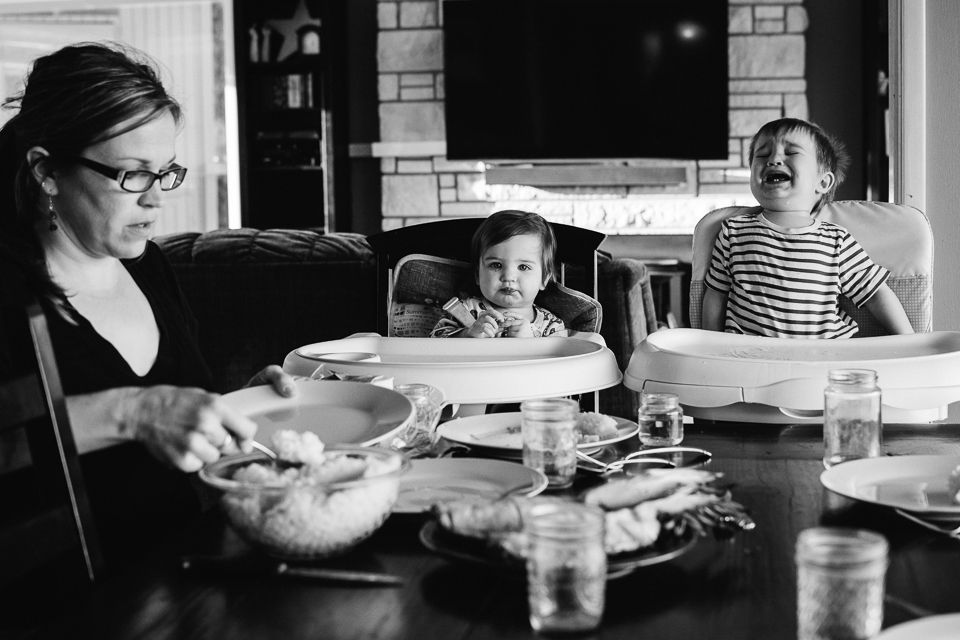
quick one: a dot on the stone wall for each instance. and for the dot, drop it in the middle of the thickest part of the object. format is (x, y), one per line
(766, 57)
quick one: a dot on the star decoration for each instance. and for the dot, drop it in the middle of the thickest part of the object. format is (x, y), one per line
(288, 29)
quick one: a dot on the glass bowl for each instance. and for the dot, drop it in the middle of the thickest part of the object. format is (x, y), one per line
(308, 518)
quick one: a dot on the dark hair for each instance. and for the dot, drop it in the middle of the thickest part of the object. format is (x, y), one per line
(72, 98)
(831, 154)
(503, 225)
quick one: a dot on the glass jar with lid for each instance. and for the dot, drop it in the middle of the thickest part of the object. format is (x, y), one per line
(852, 425)
(660, 419)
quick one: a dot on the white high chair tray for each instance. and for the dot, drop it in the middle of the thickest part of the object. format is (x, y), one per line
(471, 371)
(735, 377)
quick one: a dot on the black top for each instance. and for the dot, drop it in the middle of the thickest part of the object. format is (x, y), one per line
(136, 499)
(88, 362)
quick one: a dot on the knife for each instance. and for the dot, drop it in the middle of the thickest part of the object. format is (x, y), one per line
(239, 566)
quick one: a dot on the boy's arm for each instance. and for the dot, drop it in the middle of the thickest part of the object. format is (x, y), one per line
(886, 308)
(714, 313)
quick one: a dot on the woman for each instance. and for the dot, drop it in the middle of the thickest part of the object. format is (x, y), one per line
(84, 165)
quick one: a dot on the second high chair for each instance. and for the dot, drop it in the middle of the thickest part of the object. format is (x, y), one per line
(419, 268)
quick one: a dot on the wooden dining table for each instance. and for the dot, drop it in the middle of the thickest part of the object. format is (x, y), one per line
(741, 587)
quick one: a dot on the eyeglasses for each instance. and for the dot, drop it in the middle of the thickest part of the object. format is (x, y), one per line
(137, 181)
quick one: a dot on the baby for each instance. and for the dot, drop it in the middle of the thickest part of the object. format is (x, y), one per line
(512, 254)
(780, 272)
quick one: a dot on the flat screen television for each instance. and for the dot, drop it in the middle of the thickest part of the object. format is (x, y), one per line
(585, 79)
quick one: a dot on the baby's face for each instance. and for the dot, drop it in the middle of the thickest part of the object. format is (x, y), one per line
(511, 273)
(785, 175)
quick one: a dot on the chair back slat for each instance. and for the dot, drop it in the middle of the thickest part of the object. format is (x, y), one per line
(53, 514)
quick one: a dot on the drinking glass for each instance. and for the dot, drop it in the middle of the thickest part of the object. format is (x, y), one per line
(421, 434)
(840, 576)
(566, 567)
(549, 430)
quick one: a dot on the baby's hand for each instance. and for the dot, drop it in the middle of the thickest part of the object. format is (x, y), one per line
(514, 325)
(486, 326)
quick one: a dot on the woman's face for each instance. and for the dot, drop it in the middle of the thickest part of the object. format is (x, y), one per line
(93, 211)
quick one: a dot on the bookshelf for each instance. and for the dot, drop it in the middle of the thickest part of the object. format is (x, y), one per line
(290, 98)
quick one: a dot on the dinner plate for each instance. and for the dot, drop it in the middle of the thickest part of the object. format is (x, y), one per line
(433, 480)
(913, 483)
(338, 412)
(467, 549)
(489, 431)
(943, 627)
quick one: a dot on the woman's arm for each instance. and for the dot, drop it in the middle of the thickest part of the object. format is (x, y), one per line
(886, 308)
(714, 312)
(184, 426)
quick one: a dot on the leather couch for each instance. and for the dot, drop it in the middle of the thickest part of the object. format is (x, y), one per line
(258, 294)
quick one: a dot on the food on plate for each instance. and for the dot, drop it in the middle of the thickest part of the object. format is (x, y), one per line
(656, 483)
(594, 427)
(638, 511)
(953, 484)
(322, 505)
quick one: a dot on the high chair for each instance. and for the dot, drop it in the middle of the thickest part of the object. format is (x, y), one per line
(737, 378)
(420, 268)
(897, 237)
(439, 269)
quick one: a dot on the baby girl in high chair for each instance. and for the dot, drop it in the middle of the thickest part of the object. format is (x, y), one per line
(512, 253)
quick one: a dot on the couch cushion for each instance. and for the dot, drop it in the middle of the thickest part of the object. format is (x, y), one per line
(230, 246)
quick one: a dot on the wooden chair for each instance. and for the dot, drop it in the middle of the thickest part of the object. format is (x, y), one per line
(47, 533)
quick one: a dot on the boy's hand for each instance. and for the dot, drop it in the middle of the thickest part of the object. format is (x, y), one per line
(515, 326)
(486, 326)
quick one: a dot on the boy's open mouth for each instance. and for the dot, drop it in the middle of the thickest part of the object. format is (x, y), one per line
(776, 177)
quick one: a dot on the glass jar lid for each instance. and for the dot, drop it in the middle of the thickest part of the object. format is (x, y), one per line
(659, 401)
(852, 377)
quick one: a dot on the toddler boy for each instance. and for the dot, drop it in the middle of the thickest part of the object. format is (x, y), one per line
(780, 272)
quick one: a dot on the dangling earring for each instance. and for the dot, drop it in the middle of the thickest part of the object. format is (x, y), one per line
(53, 216)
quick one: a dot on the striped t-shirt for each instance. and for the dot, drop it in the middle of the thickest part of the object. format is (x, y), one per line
(786, 283)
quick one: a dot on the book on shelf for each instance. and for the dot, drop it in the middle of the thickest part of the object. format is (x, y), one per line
(286, 91)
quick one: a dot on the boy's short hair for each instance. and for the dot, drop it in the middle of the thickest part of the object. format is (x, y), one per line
(831, 153)
(503, 225)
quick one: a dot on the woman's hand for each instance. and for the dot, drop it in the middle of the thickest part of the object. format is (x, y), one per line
(486, 326)
(516, 326)
(185, 426)
(277, 378)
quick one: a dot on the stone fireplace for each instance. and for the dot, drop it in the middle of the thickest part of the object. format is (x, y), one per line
(632, 197)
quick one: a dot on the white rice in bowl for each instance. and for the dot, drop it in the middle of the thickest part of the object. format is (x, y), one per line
(315, 510)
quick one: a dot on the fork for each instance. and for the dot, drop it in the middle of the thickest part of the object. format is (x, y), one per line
(953, 533)
(616, 465)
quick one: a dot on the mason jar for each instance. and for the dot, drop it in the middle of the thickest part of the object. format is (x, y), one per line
(566, 567)
(840, 583)
(852, 425)
(549, 430)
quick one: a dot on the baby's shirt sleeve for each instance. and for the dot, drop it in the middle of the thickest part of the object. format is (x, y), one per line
(718, 275)
(860, 277)
(546, 324)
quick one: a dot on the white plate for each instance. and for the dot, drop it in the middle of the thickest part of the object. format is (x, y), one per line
(472, 371)
(914, 483)
(338, 412)
(488, 431)
(943, 627)
(433, 480)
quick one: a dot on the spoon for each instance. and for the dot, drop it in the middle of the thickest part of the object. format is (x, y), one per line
(264, 449)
